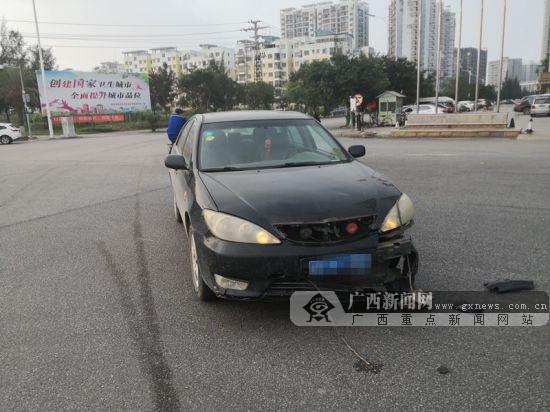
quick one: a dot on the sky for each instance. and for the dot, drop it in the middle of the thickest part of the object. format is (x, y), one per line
(188, 23)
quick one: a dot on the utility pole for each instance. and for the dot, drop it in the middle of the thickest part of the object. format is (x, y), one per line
(418, 41)
(479, 56)
(458, 54)
(438, 54)
(45, 92)
(25, 108)
(257, 55)
(501, 57)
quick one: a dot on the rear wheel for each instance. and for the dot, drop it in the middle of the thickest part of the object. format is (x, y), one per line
(204, 293)
(5, 139)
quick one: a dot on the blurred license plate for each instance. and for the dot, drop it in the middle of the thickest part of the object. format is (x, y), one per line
(355, 264)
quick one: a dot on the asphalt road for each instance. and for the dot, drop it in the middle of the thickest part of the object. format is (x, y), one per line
(97, 309)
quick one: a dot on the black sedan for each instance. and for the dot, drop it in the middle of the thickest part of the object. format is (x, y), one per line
(272, 204)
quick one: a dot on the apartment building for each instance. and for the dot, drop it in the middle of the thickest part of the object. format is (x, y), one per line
(345, 17)
(468, 64)
(281, 57)
(545, 51)
(511, 69)
(143, 61)
(109, 67)
(197, 59)
(447, 46)
(403, 34)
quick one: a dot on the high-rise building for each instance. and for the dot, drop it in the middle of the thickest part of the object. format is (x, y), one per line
(345, 17)
(403, 34)
(511, 69)
(545, 52)
(447, 47)
(529, 72)
(468, 64)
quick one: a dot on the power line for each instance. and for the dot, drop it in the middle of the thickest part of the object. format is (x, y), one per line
(255, 27)
(118, 36)
(124, 25)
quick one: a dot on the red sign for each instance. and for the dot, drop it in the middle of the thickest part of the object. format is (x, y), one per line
(99, 118)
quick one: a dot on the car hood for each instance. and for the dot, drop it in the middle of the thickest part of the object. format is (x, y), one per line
(302, 194)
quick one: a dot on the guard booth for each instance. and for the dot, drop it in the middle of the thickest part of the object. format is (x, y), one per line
(389, 104)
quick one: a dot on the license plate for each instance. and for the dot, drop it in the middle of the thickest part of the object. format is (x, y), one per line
(349, 264)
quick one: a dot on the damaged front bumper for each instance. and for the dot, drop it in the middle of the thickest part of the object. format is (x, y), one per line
(279, 270)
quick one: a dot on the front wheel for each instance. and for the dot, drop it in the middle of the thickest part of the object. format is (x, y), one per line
(177, 213)
(204, 293)
(5, 139)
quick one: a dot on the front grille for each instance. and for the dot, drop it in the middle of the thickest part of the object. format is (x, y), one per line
(328, 231)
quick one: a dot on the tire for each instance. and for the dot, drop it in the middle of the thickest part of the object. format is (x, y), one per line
(5, 139)
(177, 213)
(204, 293)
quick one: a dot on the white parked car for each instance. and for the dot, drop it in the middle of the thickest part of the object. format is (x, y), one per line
(423, 109)
(465, 106)
(541, 106)
(8, 133)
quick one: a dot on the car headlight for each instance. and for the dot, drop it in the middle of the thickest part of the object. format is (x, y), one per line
(234, 229)
(400, 214)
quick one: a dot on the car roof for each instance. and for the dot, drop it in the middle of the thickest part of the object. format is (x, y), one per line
(244, 115)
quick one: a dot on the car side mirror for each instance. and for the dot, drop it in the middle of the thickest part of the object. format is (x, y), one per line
(176, 162)
(357, 150)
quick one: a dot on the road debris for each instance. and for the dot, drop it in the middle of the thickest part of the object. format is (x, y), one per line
(509, 285)
(362, 364)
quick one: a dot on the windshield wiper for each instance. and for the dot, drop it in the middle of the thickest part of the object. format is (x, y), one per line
(297, 164)
(223, 169)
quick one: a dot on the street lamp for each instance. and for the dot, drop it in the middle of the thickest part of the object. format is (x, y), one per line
(23, 95)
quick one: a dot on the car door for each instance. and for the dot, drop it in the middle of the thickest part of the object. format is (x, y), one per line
(185, 179)
(177, 175)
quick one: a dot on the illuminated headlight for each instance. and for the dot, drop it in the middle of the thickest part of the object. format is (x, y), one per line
(235, 229)
(399, 215)
(227, 283)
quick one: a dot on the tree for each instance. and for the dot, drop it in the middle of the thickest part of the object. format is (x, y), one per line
(162, 87)
(402, 76)
(209, 89)
(12, 46)
(312, 87)
(47, 55)
(259, 95)
(320, 86)
(511, 89)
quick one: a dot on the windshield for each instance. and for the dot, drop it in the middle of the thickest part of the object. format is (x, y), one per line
(262, 144)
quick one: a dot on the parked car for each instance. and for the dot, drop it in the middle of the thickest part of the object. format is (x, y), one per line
(9, 133)
(272, 203)
(524, 105)
(447, 106)
(424, 109)
(484, 104)
(339, 111)
(465, 106)
(541, 106)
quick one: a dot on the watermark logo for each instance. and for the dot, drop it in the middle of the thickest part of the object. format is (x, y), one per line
(318, 308)
(426, 309)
